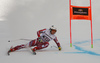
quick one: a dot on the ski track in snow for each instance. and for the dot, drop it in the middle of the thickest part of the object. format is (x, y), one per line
(83, 51)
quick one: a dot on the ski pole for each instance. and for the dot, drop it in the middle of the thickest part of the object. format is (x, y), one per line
(19, 39)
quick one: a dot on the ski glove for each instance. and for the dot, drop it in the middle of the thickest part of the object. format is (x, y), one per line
(59, 48)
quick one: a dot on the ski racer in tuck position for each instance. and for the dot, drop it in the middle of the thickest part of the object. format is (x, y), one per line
(44, 36)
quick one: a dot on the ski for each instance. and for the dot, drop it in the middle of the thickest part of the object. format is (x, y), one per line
(8, 53)
(34, 52)
(30, 49)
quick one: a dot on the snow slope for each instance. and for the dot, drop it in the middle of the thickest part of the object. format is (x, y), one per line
(23, 18)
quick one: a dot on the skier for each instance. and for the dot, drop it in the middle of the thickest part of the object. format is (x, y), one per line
(44, 36)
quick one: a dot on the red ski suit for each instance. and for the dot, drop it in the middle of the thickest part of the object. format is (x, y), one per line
(44, 36)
